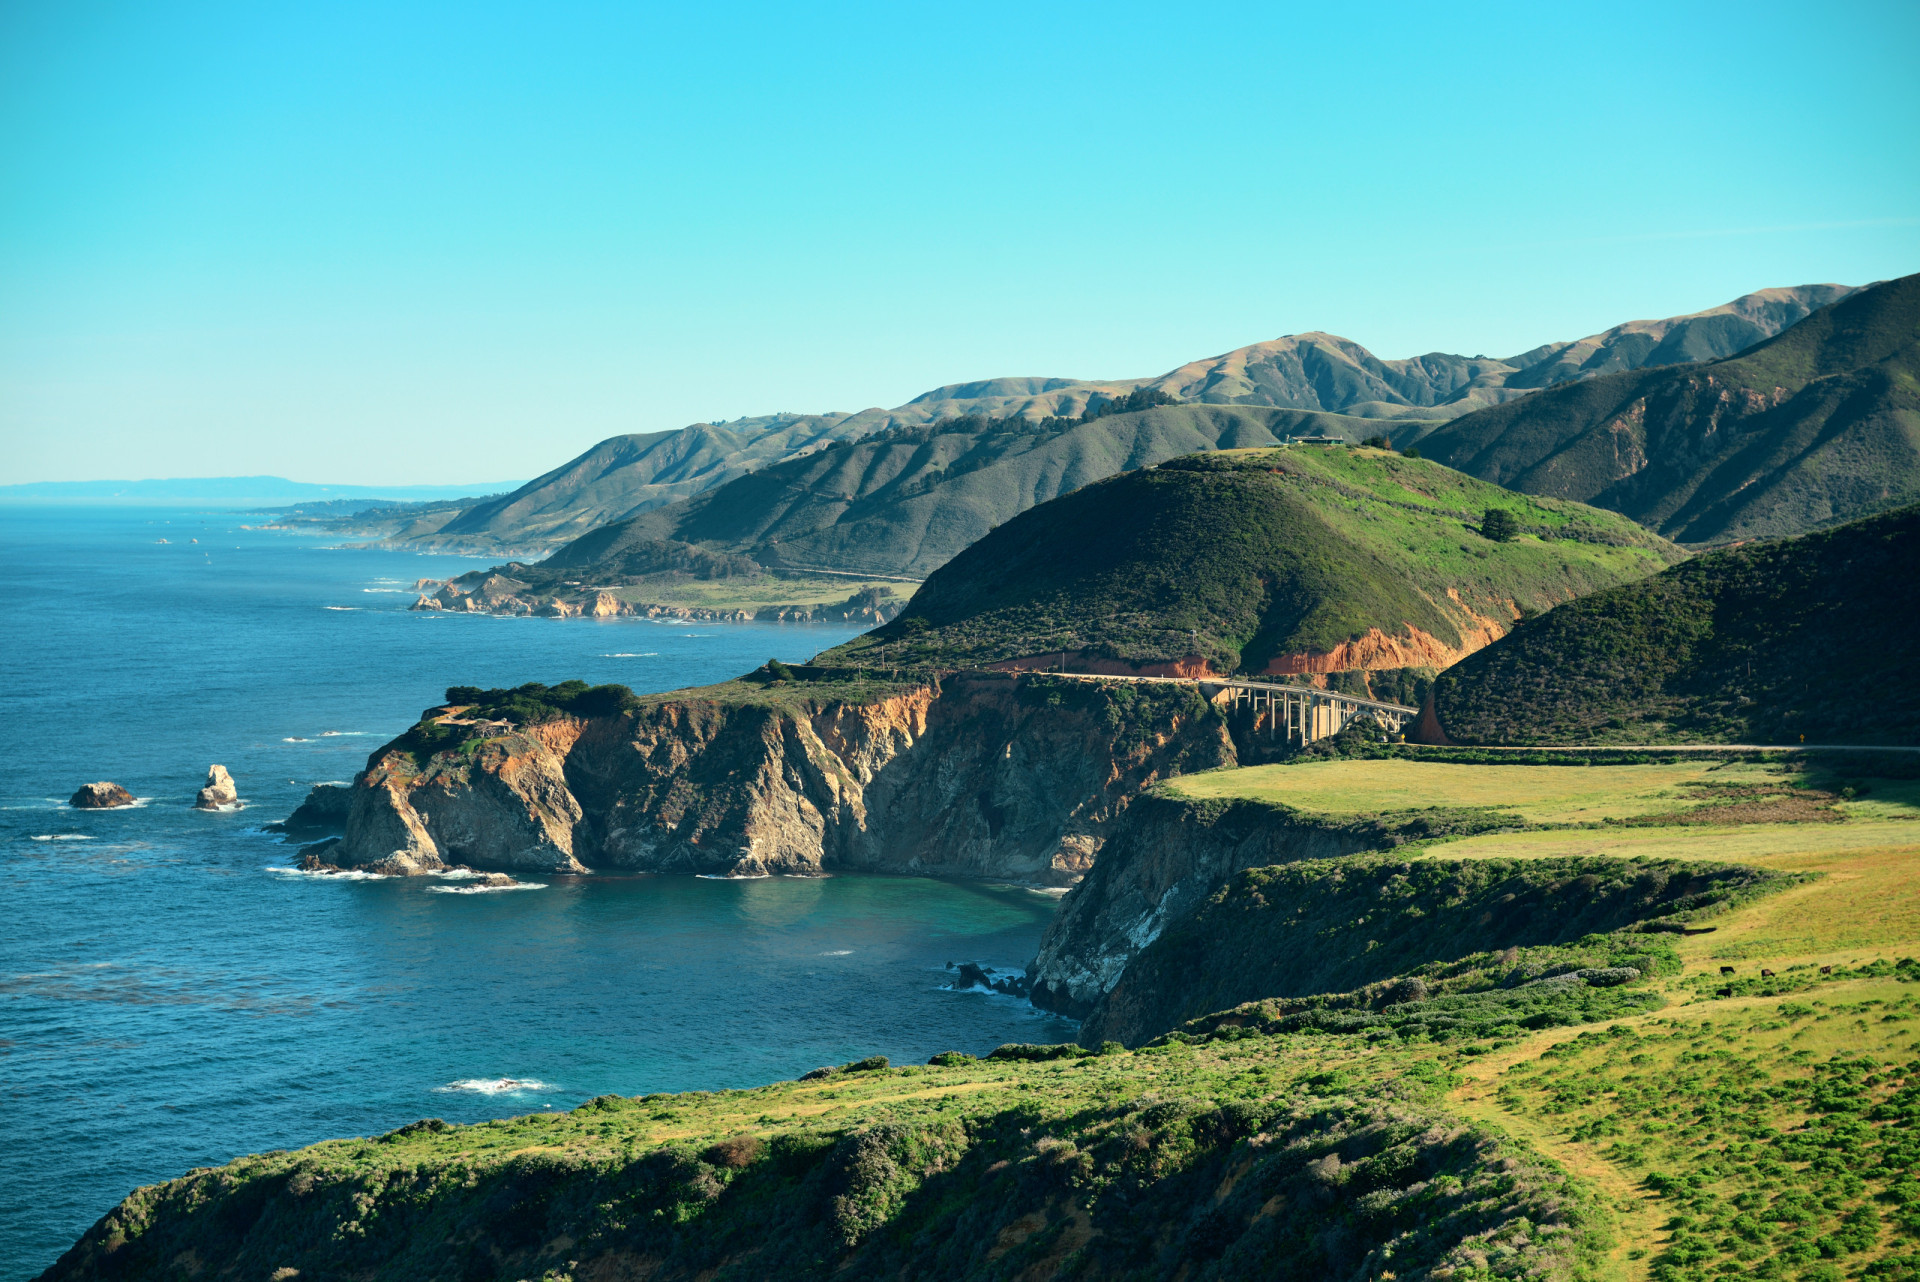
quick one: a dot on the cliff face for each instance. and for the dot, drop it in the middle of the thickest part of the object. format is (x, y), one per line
(1166, 860)
(983, 775)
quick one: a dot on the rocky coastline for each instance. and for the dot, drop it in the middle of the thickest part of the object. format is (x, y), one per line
(974, 775)
(495, 593)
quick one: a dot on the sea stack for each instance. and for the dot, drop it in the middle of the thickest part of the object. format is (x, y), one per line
(218, 792)
(100, 796)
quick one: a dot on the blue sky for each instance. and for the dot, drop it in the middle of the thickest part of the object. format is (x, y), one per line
(419, 243)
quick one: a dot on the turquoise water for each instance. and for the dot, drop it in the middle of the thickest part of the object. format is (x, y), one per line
(171, 997)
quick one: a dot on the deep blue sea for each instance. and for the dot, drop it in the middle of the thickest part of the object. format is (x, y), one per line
(170, 997)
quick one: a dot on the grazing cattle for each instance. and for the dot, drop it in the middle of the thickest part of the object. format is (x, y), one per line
(1766, 974)
(1723, 992)
(1726, 970)
(1826, 970)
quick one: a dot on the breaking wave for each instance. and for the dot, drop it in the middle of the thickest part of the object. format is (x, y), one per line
(498, 1085)
(483, 890)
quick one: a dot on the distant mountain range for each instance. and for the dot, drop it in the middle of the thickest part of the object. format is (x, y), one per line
(625, 476)
(1815, 425)
(244, 489)
(904, 501)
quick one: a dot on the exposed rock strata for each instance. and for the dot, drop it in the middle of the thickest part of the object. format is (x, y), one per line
(100, 796)
(219, 790)
(983, 775)
(1163, 863)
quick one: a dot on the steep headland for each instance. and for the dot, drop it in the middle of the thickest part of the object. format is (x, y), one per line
(1298, 560)
(1810, 639)
(795, 771)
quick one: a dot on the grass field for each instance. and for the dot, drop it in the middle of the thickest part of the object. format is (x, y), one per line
(755, 593)
(1762, 1133)
(1538, 794)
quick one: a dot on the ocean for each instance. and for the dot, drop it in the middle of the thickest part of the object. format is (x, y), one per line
(172, 996)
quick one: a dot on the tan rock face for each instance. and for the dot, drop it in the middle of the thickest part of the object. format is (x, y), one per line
(978, 777)
(219, 790)
(100, 796)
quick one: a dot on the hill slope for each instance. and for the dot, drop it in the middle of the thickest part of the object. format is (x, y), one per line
(1812, 636)
(623, 475)
(1818, 424)
(905, 501)
(1310, 558)
(1322, 373)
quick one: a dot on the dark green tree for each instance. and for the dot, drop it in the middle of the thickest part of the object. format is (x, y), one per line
(1498, 524)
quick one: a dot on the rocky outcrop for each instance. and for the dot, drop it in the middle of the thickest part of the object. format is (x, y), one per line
(979, 775)
(325, 810)
(1160, 865)
(503, 803)
(219, 790)
(100, 796)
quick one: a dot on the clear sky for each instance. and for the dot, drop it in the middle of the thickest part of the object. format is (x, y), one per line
(441, 243)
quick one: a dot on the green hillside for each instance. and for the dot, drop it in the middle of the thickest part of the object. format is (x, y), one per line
(1243, 557)
(1764, 643)
(1816, 425)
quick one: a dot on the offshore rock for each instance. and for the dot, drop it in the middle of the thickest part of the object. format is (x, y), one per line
(219, 790)
(100, 796)
(977, 775)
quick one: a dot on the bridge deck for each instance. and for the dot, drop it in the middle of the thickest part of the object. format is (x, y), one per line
(1258, 687)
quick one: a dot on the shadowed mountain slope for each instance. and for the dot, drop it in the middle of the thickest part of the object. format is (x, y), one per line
(1818, 424)
(905, 501)
(1764, 643)
(1311, 558)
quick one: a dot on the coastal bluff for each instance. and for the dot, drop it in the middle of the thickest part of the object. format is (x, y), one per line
(790, 772)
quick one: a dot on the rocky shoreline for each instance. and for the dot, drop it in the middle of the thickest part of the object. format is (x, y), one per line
(496, 593)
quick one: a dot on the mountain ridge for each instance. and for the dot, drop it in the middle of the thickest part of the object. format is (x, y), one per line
(1818, 424)
(625, 476)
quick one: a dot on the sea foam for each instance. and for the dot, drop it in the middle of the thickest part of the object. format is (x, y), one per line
(498, 1085)
(483, 890)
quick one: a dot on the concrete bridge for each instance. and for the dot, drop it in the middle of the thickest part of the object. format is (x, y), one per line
(1302, 713)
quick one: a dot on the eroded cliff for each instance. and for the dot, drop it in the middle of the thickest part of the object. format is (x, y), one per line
(980, 775)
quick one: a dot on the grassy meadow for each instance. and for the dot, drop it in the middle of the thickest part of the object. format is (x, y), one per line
(1765, 1132)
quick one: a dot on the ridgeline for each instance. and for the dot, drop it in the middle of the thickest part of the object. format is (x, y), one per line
(1816, 425)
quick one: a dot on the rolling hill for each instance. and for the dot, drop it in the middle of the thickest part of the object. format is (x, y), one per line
(625, 476)
(1304, 559)
(1818, 424)
(1764, 643)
